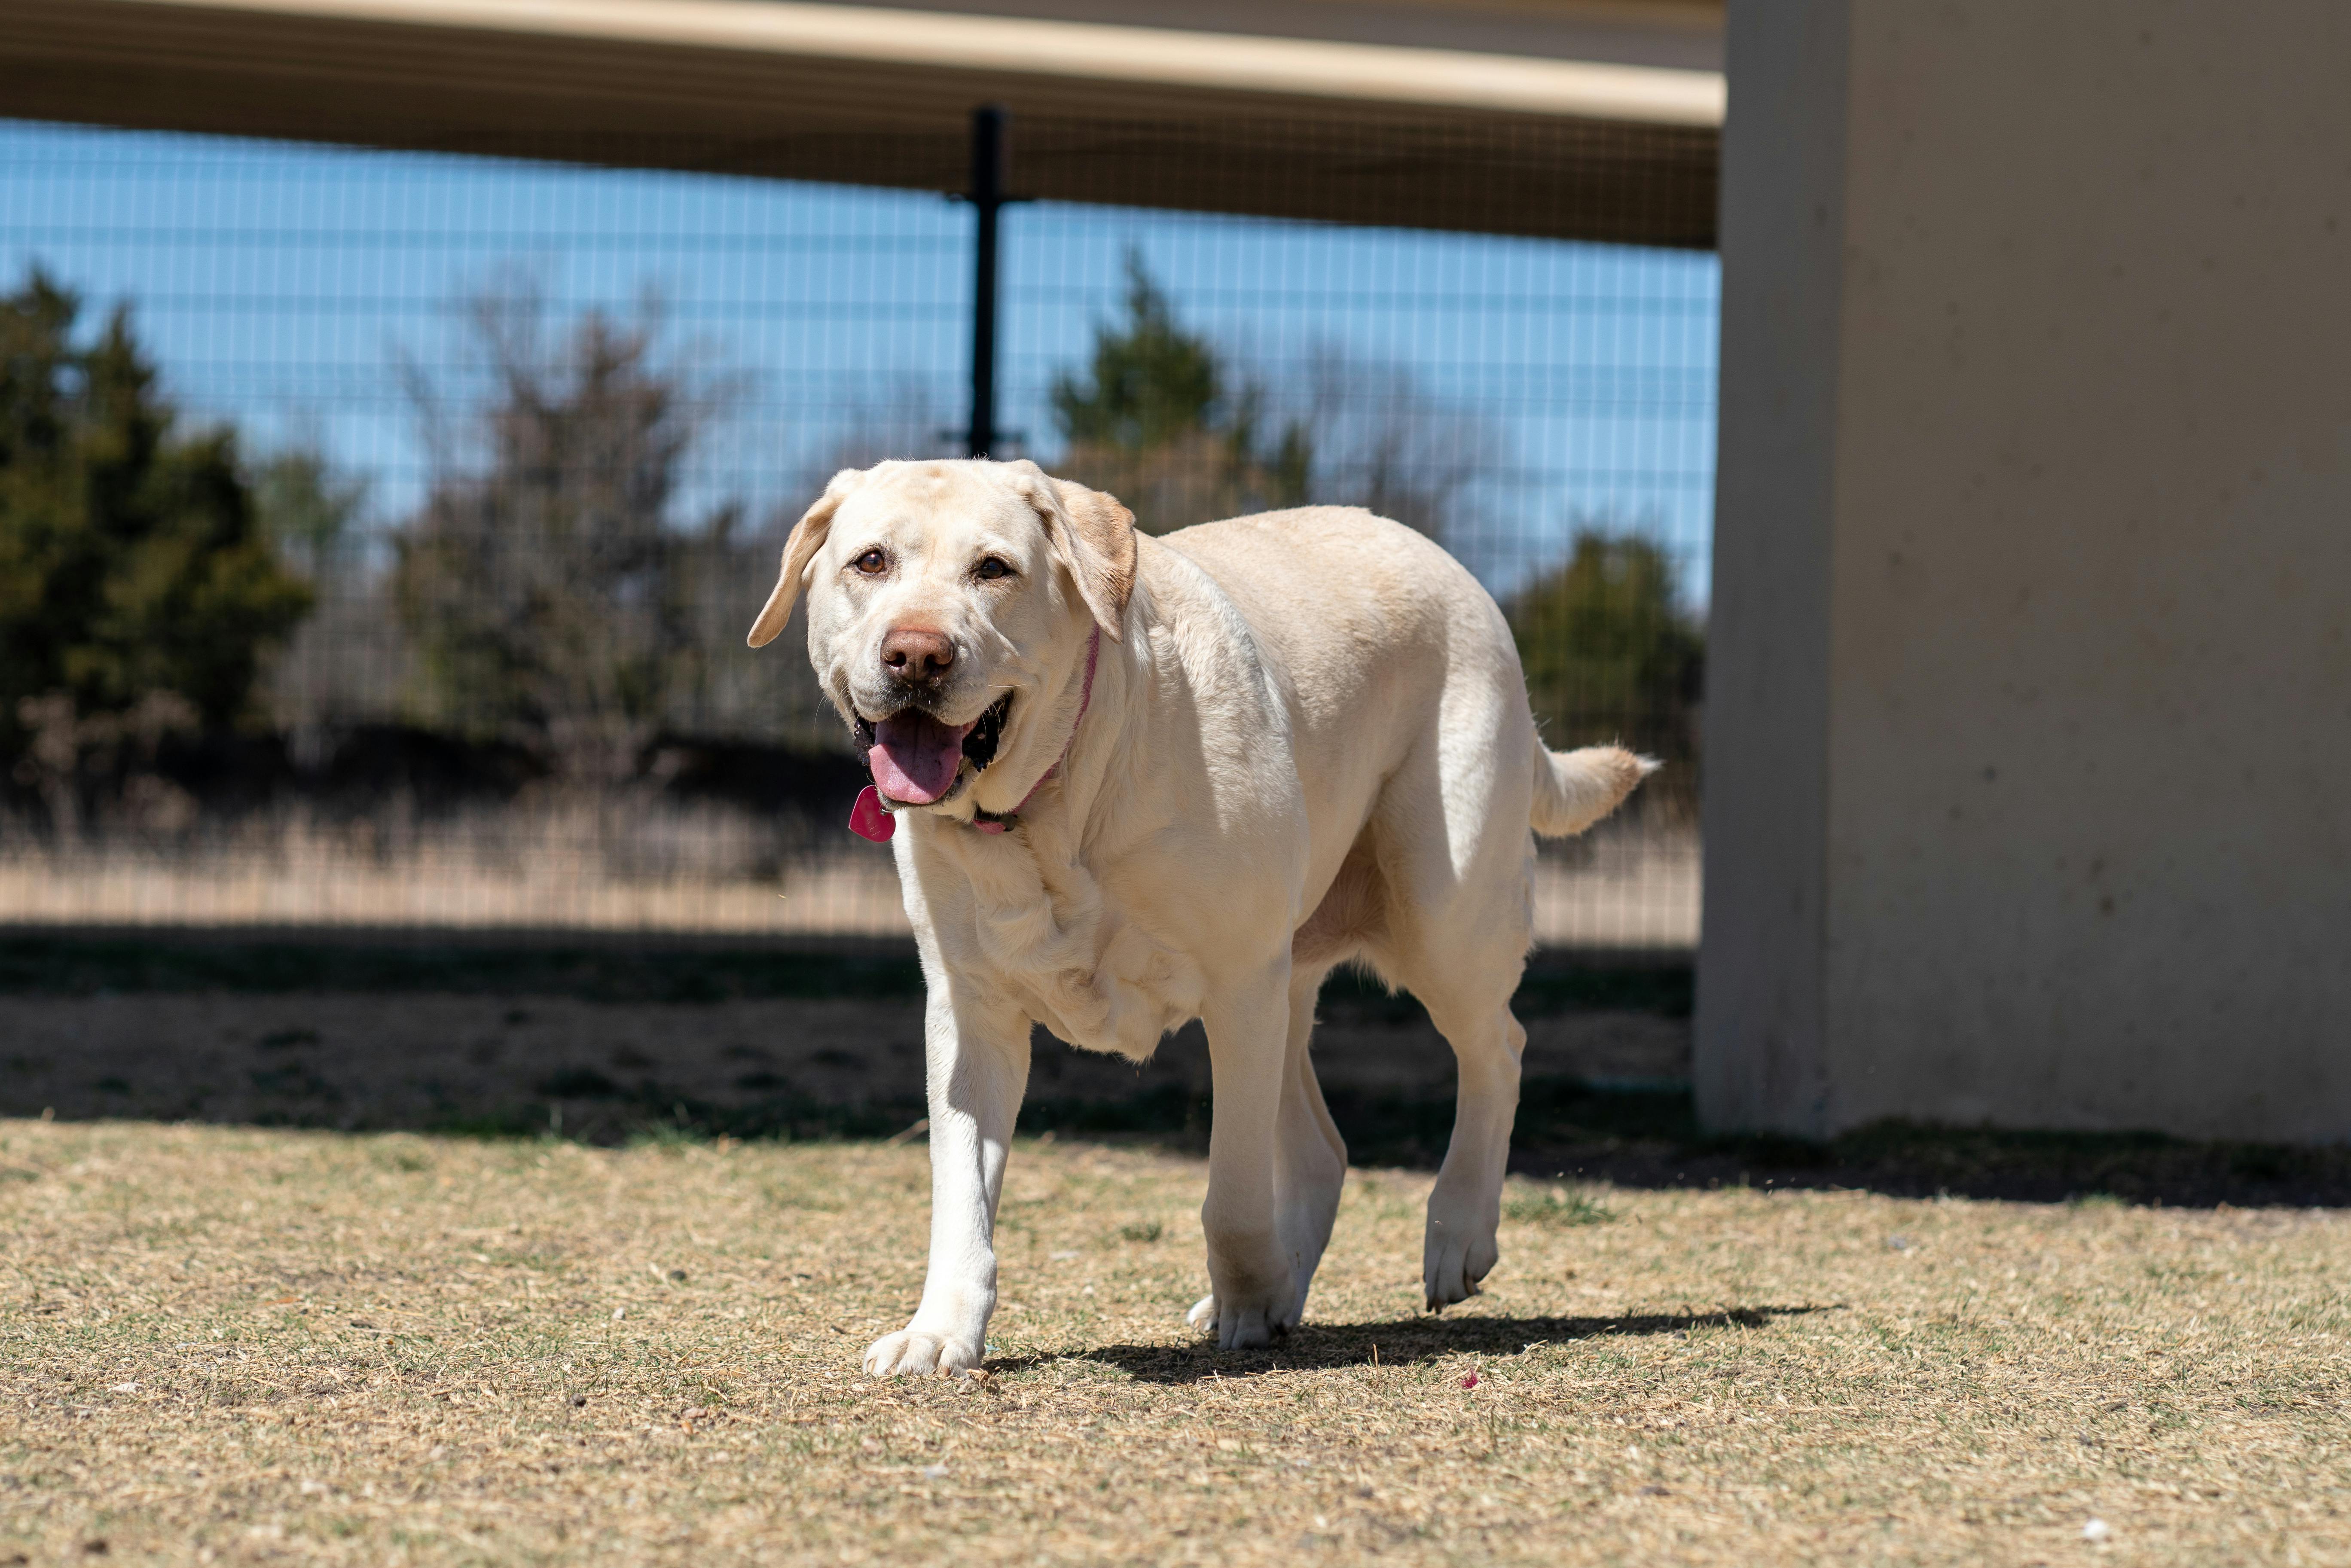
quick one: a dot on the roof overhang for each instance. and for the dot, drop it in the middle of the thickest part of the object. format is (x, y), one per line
(1141, 115)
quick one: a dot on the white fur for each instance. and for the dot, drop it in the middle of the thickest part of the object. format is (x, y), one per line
(1308, 743)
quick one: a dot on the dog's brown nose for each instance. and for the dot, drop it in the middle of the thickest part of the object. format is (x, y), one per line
(916, 655)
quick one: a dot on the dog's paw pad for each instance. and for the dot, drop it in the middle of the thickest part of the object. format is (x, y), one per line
(1203, 1314)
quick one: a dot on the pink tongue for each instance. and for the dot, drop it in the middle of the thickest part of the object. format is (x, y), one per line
(914, 756)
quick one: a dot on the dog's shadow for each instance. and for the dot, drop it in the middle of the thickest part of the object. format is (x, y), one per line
(1409, 1341)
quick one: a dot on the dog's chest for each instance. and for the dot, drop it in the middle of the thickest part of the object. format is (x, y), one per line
(1134, 993)
(1062, 944)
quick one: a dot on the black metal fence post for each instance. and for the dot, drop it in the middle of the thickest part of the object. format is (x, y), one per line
(987, 159)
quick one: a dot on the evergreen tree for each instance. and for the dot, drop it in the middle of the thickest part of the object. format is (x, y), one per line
(1610, 651)
(131, 562)
(545, 583)
(1150, 381)
(310, 511)
(1158, 421)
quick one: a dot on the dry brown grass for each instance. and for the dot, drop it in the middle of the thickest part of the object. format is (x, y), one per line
(241, 1346)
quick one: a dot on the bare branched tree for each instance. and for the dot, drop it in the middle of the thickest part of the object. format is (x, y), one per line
(547, 579)
(902, 417)
(1374, 436)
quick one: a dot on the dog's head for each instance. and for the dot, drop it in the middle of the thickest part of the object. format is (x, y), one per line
(945, 600)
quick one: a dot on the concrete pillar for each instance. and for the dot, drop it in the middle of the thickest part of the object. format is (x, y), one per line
(2029, 745)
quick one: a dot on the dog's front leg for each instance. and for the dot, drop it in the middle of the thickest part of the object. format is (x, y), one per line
(1253, 1277)
(978, 1051)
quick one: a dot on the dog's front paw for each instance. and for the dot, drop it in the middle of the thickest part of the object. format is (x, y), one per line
(912, 1353)
(1203, 1314)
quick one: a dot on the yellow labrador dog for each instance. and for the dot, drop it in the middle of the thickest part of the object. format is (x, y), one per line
(1133, 781)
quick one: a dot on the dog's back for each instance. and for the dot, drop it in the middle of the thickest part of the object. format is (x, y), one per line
(1385, 642)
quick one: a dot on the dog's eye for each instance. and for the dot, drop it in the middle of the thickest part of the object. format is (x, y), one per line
(872, 563)
(990, 569)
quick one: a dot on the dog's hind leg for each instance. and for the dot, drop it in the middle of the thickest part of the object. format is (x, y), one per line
(1462, 958)
(1312, 1164)
(1254, 1286)
(1455, 856)
(1466, 1207)
(1310, 1158)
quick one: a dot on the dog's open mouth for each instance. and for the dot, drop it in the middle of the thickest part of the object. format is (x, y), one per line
(917, 759)
(988, 734)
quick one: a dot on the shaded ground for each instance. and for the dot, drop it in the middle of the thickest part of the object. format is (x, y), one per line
(598, 1043)
(606, 1043)
(245, 1346)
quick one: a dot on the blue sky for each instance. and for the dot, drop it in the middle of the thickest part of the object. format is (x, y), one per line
(282, 286)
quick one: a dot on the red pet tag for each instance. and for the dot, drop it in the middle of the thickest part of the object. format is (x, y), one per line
(867, 820)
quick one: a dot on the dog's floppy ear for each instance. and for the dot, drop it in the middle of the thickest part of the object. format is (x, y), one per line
(807, 538)
(1094, 537)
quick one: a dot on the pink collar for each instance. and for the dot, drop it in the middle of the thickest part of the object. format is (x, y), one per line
(869, 819)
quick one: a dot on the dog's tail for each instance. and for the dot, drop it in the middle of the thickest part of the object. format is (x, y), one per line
(1575, 790)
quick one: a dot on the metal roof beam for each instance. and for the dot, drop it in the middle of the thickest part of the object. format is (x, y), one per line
(1141, 115)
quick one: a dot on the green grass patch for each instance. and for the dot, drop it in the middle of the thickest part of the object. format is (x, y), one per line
(1556, 1208)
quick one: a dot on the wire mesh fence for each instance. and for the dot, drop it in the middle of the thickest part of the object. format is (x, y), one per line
(378, 530)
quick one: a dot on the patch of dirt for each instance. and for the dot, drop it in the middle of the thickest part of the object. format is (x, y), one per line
(522, 1061)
